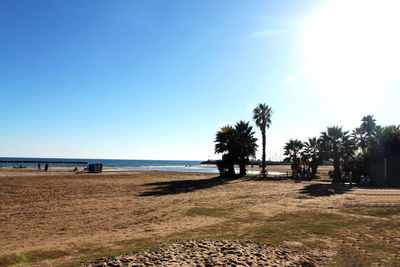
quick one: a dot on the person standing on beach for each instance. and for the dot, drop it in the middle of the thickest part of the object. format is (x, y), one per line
(46, 167)
(39, 168)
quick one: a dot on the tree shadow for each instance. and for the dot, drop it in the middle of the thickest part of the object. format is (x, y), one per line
(184, 186)
(324, 190)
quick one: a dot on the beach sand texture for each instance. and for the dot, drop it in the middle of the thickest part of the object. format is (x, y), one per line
(59, 217)
(215, 253)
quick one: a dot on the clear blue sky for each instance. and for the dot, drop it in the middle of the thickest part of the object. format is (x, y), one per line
(156, 79)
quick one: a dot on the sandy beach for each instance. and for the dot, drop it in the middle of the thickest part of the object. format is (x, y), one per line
(62, 218)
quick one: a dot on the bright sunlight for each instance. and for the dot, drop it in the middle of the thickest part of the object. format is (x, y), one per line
(353, 46)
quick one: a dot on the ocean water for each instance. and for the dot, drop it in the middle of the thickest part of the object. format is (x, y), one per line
(105, 162)
(186, 169)
(168, 168)
(126, 165)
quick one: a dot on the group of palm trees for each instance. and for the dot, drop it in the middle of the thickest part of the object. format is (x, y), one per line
(237, 143)
(357, 154)
(333, 144)
(369, 150)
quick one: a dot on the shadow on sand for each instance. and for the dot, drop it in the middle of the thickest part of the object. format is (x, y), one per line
(184, 186)
(324, 190)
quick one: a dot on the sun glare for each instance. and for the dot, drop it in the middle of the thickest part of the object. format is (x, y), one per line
(353, 46)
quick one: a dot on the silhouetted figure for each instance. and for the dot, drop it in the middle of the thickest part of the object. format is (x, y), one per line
(39, 168)
(46, 167)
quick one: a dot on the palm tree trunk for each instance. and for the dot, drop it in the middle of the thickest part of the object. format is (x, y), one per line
(231, 169)
(263, 172)
(337, 176)
(314, 171)
(314, 167)
(242, 166)
(242, 169)
(295, 172)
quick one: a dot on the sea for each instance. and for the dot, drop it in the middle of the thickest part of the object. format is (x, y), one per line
(121, 164)
(106, 162)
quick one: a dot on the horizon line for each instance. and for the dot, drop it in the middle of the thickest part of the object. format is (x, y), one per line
(102, 158)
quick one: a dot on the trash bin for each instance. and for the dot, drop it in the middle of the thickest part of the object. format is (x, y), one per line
(95, 168)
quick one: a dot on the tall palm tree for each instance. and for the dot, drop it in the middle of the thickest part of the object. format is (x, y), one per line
(292, 151)
(262, 116)
(246, 144)
(311, 155)
(337, 145)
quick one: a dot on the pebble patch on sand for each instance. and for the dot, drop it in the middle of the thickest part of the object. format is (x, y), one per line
(215, 253)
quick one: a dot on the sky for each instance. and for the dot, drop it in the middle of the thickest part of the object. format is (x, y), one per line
(157, 79)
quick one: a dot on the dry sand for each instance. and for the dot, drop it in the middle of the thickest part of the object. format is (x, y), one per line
(214, 253)
(63, 211)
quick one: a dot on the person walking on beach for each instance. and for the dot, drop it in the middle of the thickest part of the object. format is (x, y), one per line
(39, 168)
(46, 167)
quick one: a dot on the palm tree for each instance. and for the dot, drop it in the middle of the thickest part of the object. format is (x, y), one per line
(224, 144)
(337, 145)
(368, 125)
(262, 116)
(384, 155)
(237, 145)
(292, 151)
(311, 155)
(246, 144)
(223, 139)
(359, 138)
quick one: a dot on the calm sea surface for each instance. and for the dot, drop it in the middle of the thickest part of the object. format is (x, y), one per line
(105, 162)
(126, 165)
